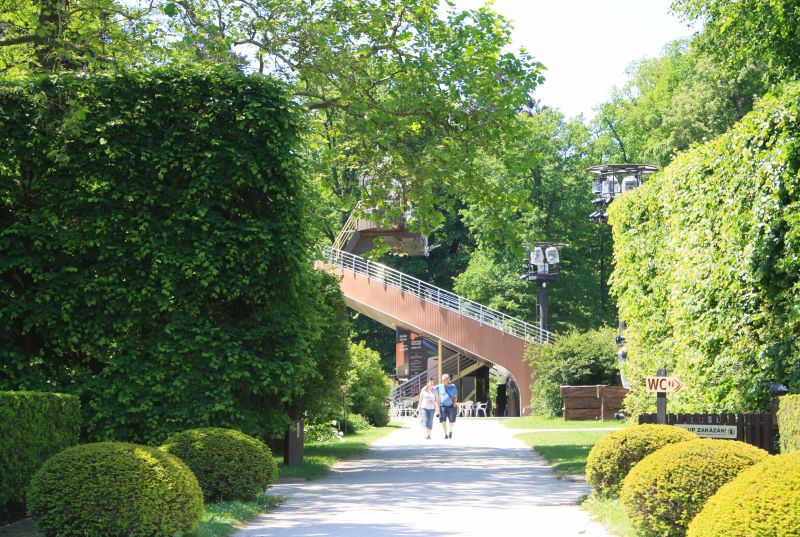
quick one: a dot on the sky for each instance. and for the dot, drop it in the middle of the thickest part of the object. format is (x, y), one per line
(587, 45)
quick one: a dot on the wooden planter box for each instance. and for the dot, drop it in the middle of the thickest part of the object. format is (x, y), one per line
(592, 402)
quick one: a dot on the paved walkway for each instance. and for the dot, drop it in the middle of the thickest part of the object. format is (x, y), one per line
(482, 483)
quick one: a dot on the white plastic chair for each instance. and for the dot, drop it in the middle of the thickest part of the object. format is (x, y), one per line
(466, 408)
(480, 407)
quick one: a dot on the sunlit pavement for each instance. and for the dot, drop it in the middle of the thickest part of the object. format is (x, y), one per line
(483, 482)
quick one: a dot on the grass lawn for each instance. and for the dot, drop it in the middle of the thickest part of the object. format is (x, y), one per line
(544, 422)
(565, 451)
(320, 457)
(610, 514)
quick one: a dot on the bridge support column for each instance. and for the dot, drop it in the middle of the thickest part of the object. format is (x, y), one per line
(439, 377)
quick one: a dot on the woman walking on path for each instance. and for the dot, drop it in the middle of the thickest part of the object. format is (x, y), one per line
(428, 404)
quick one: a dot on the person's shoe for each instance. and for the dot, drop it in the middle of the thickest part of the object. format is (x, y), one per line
(450, 435)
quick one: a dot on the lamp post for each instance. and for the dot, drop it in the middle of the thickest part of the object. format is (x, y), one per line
(542, 265)
(610, 181)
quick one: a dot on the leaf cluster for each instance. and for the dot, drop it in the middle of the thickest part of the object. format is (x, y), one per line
(575, 359)
(153, 258)
(33, 427)
(706, 265)
(368, 386)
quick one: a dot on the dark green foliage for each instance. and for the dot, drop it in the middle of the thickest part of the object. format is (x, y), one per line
(368, 386)
(355, 423)
(33, 427)
(152, 253)
(665, 491)
(575, 359)
(789, 423)
(762, 501)
(707, 269)
(228, 464)
(115, 489)
(613, 456)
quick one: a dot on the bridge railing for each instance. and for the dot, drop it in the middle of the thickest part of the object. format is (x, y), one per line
(437, 296)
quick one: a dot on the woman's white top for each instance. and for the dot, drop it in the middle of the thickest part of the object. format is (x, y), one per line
(427, 399)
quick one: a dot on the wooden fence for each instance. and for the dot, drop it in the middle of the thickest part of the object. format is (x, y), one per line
(592, 402)
(759, 430)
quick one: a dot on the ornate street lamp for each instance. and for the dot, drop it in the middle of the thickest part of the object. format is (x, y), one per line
(610, 181)
(542, 265)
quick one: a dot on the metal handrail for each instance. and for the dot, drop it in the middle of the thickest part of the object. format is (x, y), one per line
(412, 386)
(401, 391)
(437, 296)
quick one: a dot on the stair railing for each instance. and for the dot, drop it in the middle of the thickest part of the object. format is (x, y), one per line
(435, 295)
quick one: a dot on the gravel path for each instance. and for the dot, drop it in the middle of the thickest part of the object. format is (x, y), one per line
(483, 482)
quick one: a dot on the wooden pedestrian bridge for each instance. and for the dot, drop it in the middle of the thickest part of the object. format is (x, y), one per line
(471, 334)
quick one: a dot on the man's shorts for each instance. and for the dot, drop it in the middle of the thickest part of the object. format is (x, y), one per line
(447, 413)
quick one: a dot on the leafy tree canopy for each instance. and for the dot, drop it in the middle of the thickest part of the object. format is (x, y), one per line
(739, 33)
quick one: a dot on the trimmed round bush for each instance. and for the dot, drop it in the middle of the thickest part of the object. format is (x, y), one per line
(762, 501)
(665, 491)
(115, 489)
(229, 464)
(615, 454)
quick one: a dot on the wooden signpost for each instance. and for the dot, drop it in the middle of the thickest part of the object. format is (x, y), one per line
(662, 385)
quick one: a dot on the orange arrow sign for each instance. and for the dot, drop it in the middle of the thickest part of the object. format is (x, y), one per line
(663, 384)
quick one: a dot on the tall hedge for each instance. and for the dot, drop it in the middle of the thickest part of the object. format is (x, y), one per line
(153, 257)
(707, 265)
(33, 427)
(789, 423)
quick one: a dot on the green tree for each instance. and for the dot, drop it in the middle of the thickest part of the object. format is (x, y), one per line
(367, 385)
(153, 257)
(739, 33)
(77, 35)
(671, 102)
(548, 194)
(575, 359)
(395, 92)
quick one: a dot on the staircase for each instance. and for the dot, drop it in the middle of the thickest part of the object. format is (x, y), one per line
(479, 335)
(435, 295)
(457, 365)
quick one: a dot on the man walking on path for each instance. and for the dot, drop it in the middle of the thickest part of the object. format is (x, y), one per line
(483, 482)
(447, 395)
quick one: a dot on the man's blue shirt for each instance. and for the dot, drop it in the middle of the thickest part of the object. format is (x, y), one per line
(447, 394)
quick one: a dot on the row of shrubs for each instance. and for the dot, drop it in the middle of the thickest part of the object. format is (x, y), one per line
(116, 488)
(673, 484)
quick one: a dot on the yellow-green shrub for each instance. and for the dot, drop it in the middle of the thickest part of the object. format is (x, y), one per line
(762, 501)
(229, 464)
(789, 423)
(615, 454)
(115, 489)
(664, 492)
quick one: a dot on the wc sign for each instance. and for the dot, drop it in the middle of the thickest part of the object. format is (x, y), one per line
(663, 384)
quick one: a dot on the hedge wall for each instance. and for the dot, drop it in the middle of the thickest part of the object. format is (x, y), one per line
(789, 423)
(33, 426)
(707, 265)
(152, 252)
